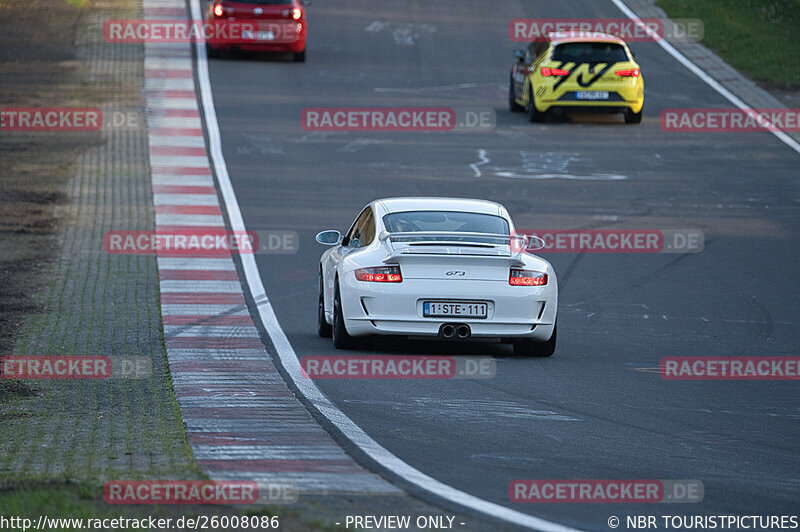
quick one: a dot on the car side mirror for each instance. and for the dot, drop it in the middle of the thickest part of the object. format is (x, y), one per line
(519, 54)
(329, 238)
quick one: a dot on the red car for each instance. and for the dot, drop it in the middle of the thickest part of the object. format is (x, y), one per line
(257, 26)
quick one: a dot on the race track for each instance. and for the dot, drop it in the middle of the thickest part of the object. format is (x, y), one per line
(598, 409)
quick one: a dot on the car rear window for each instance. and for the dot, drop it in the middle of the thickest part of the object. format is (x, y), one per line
(447, 221)
(590, 52)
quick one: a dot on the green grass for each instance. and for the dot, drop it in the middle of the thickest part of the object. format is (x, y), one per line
(757, 37)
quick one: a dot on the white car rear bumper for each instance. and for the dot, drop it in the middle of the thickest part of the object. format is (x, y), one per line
(396, 308)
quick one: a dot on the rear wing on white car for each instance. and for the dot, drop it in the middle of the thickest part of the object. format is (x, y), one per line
(454, 243)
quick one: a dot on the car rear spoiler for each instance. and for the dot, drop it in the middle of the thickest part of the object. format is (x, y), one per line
(453, 244)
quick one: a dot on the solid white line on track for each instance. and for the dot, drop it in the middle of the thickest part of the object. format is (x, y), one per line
(289, 359)
(663, 43)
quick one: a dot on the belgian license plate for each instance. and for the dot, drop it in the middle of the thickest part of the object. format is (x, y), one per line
(454, 309)
(591, 95)
(258, 35)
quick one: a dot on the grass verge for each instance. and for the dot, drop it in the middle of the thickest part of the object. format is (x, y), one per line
(757, 37)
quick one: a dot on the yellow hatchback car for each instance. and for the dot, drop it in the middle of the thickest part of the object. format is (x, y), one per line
(576, 71)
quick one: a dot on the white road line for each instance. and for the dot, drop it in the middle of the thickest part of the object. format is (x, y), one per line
(155, 121)
(170, 63)
(183, 180)
(169, 84)
(483, 160)
(179, 160)
(209, 331)
(205, 287)
(202, 312)
(194, 263)
(197, 220)
(193, 200)
(663, 43)
(155, 102)
(182, 141)
(289, 358)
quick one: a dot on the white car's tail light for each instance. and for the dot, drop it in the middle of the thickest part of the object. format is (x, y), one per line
(628, 73)
(526, 278)
(380, 274)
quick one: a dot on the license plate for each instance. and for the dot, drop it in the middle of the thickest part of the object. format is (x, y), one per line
(591, 95)
(258, 35)
(453, 309)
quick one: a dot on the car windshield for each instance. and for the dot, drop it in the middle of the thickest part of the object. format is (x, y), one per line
(445, 221)
(590, 52)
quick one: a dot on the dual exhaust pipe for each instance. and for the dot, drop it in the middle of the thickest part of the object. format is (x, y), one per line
(448, 331)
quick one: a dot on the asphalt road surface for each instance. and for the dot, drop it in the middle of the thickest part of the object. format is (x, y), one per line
(598, 409)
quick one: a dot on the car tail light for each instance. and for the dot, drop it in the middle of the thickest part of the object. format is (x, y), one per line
(628, 73)
(218, 10)
(297, 13)
(380, 274)
(527, 278)
(547, 71)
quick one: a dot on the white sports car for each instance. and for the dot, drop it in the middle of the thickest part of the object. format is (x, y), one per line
(436, 267)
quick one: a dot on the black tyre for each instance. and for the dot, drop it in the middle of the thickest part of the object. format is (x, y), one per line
(324, 329)
(633, 118)
(299, 57)
(341, 339)
(212, 53)
(530, 348)
(533, 114)
(513, 106)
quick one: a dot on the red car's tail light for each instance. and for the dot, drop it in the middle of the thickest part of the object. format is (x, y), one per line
(218, 10)
(297, 13)
(546, 71)
(380, 274)
(628, 73)
(526, 278)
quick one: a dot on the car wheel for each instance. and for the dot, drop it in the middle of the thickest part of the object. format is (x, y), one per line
(513, 106)
(212, 53)
(299, 57)
(324, 329)
(633, 118)
(341, 339)
(534, 114)
(537, 349)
